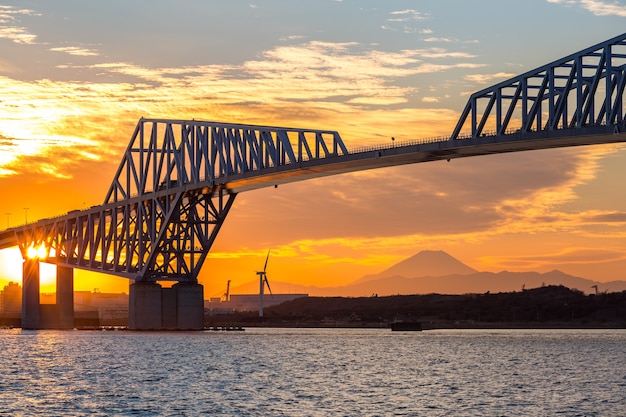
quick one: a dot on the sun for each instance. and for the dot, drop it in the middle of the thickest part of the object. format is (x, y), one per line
(36, 252)
(11, 268)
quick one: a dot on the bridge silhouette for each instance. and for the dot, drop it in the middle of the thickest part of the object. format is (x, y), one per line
(178, 180)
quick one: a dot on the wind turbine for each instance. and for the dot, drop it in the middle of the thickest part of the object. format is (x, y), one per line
(227, 293)
(262, 282)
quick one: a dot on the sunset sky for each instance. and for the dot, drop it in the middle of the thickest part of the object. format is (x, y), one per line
(75, 77)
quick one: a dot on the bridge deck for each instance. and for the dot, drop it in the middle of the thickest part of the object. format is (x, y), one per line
(380, 157)
(402, 154)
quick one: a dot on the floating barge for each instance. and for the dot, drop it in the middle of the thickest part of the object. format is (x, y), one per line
(406, 326)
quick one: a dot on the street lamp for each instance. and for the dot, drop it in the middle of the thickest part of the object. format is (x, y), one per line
(26, 215)
(8, 216)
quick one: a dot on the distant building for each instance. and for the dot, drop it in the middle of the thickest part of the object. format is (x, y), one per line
(247, 302)
(109, 308)
(12, 300)
(112, 308)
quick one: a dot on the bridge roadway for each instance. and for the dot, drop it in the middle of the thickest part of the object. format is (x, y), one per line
(377, 157)
(426, 151)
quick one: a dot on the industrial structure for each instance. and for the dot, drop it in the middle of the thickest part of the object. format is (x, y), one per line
(178, 179)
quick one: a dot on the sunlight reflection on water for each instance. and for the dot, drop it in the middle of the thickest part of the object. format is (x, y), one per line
(314, 372)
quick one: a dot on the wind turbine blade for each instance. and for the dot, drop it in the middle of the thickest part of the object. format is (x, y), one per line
(268, 285)
(266, 259)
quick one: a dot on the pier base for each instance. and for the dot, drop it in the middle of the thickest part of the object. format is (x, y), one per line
(65, 297)
(47, 316)
(152, 307)
(30, 294)
(189, 306)
(145, 306)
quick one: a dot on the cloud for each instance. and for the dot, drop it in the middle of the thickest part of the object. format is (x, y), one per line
(9, 28)
(488, 78)
(401, 21)
(425, 205)
(9, 14)
(310, 71)
(407, 15)
(75, 50)
(464, 203)
(434, 39)
(402, 210)
(292, 37)
(17, 34)
(598, 8)
(605, 217)
(53, 157)
(312, 84)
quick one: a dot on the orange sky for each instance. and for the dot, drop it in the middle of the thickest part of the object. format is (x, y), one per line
(70, 101)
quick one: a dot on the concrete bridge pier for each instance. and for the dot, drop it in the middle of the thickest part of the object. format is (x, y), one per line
(145, 306)
(189, 306)
(30, 294)
(152, 307)
(47, 316)
(65, 297)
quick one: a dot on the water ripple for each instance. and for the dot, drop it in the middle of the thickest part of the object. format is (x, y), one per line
(313, 372)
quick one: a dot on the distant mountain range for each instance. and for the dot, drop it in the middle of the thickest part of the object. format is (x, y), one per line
(437, 272)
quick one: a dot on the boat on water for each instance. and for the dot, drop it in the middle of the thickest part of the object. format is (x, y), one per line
(406, 326)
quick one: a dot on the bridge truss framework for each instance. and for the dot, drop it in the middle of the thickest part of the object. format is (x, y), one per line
(178, 179)
(169, 197)
(583, 89)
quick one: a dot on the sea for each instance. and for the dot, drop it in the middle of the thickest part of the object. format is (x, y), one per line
(313, 372)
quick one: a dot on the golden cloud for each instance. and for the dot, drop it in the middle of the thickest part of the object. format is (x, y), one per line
(598, 8)
(17, 34)
(8, 30)
(487, 78)
(308, 85)
(76, 51)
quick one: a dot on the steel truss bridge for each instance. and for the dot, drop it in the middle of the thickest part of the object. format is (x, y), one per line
(178, 179)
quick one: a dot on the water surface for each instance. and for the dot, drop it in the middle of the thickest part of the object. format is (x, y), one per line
(314, 372)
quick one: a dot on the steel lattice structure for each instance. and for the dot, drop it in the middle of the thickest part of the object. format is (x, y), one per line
(170, 196)
(582, 89)
(178, 179)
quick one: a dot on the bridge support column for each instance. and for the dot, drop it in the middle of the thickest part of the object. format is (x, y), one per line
(30, 294)
(65, 297)
(145, 306)
(154, 308)
(189, 306)
(169, 315)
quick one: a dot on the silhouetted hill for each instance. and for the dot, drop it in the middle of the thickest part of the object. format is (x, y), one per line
(550, 304)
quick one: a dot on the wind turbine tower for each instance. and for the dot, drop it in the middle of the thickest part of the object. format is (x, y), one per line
(262, 283)
(227, 293)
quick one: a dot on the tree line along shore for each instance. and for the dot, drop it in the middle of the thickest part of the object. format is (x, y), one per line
(544, 307)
